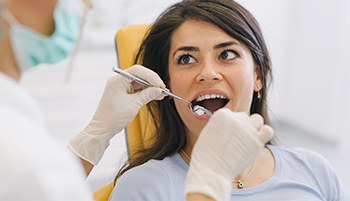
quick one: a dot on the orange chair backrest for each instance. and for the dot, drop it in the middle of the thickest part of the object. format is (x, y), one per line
(128, 40)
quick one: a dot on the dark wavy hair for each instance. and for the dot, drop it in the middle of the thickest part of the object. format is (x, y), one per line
(228, 15)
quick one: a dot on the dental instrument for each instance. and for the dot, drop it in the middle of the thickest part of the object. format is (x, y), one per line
(200, 110)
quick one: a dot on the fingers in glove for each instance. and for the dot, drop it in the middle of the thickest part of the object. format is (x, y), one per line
(147, 95)
(136, 87)
(265, 133)
(146, 74)
(256, 120)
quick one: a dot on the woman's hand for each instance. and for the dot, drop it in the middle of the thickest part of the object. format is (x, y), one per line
(227, 145)
(117, 108)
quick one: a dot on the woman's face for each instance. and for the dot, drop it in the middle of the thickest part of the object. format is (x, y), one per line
(209, 68)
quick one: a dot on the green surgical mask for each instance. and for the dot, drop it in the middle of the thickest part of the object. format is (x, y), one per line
(32, 48)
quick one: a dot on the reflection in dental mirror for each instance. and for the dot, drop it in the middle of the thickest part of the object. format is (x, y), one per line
(200, 110)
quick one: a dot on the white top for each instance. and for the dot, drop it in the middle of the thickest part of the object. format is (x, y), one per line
(299, 175)
(33, 166)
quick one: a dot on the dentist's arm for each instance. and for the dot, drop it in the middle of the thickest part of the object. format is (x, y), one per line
(227, 145)
(117, 108)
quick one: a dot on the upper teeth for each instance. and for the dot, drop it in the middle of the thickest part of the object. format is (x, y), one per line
(209, 96)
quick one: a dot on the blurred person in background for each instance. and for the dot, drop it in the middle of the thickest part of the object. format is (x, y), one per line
(33, 166)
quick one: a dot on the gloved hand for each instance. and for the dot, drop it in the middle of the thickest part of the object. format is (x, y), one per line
(227, 145)
(117, 108)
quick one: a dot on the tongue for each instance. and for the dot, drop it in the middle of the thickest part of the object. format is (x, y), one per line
(213, 104)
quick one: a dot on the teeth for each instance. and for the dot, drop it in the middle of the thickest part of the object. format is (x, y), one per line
(209, 96)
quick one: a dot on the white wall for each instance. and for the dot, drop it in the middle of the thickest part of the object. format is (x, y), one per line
(309, 42)
(313, 67)
(309, 46)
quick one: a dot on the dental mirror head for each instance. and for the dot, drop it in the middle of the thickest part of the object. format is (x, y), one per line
(200, 110)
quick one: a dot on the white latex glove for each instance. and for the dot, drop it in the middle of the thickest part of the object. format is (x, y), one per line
(117, 108)
(227, 145)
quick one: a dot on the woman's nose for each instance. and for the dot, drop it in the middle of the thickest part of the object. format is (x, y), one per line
(208, 73)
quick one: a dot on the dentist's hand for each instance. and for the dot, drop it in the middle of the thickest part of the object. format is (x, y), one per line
(117, 108)
(227, 145)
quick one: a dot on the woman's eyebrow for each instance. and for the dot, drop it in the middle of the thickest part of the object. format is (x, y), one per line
(226, 44)
(187, 49)
(196, 49)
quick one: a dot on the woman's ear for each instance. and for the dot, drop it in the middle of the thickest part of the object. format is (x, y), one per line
(257, 82)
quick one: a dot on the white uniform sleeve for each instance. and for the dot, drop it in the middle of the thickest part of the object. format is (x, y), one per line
(33, 166)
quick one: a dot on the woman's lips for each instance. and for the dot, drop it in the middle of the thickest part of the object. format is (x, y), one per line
(203, 116)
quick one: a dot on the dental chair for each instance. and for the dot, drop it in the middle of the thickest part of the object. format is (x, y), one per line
(138, 133)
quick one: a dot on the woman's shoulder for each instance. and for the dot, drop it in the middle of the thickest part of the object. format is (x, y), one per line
(146, 170)
(300, 155)
(303, 162)
(155, 169)
(311, 168)
(152, 171)
(153, 180)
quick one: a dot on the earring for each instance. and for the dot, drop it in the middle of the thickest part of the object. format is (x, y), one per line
(259, 94)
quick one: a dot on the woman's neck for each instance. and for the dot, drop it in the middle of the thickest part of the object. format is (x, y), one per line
(8, 63)
(264, 169)
(257, 173)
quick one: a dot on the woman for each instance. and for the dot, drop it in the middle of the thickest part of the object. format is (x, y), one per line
(213, 54)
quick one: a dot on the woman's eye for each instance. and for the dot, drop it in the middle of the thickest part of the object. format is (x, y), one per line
(186, 59)
(228, 55)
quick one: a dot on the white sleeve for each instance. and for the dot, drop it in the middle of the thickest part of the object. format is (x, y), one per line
(33, 166)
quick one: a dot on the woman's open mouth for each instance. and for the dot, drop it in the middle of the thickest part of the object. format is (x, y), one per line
(211, 101)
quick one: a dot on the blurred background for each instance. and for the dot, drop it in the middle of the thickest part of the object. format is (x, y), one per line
(309, 98)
